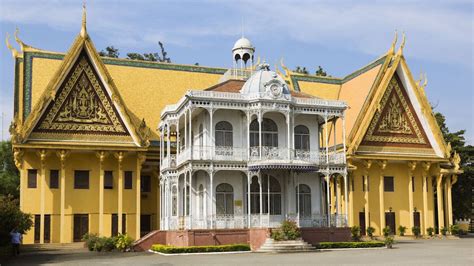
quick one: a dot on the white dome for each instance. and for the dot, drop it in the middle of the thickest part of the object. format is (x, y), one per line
(265, 82)
(243, 43)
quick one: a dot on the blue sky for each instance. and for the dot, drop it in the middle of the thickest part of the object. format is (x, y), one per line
(341, 36)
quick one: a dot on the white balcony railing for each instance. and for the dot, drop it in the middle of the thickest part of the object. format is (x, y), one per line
(256, 221)
(228, 153)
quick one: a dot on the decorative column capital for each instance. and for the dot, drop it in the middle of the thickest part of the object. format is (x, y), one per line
(119, 156)
(102, 155)
(426, 166)
(412, 166)
(382, 164)
(367, 164)
(18, 157)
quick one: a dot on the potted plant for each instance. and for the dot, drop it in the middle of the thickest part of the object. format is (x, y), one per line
(401, 230)
(388, 241)
(386, 231)
(355, 233)
(430, 231)
(370, 232)
(444, 230)
(416, 231)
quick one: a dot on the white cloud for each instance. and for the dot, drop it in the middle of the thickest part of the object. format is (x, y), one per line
(436, 30)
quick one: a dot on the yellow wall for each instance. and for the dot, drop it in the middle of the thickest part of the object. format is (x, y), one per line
(83, 201)
(397, 200)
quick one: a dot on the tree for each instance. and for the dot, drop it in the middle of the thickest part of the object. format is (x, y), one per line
(462, 189)
(135, 56)
(320, 72)
(152, 57)
(301, 70)
(9, 175)
(11, 217)
(110, 51)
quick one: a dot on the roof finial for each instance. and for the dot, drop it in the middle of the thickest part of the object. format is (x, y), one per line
(402, 45)
(84, 22)
(242, 26)
(10, 47)
(394, 42)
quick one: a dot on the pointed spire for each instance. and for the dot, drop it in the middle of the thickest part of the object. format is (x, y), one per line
(84, 22)
(10, 47)
(402, 45)
(394, 42)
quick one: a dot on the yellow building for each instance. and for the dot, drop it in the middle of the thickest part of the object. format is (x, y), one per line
(85, 140)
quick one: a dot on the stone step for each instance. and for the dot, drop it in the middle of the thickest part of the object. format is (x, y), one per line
(271, 245)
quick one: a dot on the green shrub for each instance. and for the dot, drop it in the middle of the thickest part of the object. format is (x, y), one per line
(109, 243)
(370, 231)
(290, 230)
(90, 240)
(199, 249)
(401, 230)
(455, 229)
(370, 244)
(430, 231)
(277, 235)
(444, 230)
(355, 233)
(388, 241)
(123, 242)
(386, 231)
(11, 217)
(416, 231)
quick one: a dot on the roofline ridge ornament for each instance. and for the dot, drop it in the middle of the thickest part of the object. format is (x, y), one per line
(10, 47)
(402, 45)
(84, 21)
(394, 43)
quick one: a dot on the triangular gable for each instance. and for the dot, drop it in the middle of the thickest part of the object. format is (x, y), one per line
(396, 123)
(81, 103)
(398, 120)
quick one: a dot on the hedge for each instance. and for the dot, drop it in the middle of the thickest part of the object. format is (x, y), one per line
(198, 249)
(371, 244)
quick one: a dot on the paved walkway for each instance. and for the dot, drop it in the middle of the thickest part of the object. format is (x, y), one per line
(413, 252)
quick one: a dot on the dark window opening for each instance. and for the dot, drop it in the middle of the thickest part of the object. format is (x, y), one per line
(128, 180)
(108, 180)
(32, 176)
(388, 184)
(81, 179)
(145, 183)
(54, 179)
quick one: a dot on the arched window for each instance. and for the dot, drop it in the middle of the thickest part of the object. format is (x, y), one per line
(274, 193)
(269, 133)
(224, 199)
(254, 196)
(174, 205)
(186, 199)
(301, 138)
(304, 200)
(223, 134)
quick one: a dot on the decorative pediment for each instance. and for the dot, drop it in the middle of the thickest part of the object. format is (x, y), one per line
(82, 105)
(395, 122)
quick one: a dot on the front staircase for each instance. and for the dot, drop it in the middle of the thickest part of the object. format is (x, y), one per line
(287, 246)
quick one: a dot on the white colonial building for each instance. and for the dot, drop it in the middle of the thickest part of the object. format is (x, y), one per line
(246, 153)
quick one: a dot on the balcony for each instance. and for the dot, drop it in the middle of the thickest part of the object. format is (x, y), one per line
(269, 154)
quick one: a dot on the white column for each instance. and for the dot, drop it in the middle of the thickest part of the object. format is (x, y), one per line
(248, 139)
(297, 195)
(186, 145)
(185, 202)
(288, 122)
(211, 134)
(168, 143)
(260, 118)
(328, 200)
(161, 203)
(268, 199)
(177, 140)
(344, 138)
(191, 132)
(260, 197)
(248, 198)
(211, 177)
(191, 209)
(346, 199)
(326, 138)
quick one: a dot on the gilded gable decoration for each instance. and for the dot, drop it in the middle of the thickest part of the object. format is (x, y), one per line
(82, 105)
(395, 120)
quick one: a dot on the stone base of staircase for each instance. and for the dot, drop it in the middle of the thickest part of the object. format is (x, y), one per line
(287, 246)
